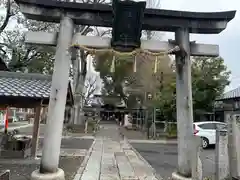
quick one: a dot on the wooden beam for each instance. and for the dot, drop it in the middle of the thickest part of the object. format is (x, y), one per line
(35, 132)
(19, 102)
(50, 39)
(41, 38)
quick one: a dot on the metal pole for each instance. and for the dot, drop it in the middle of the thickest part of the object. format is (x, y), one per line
(137, 118)
(154, 122)
(60, 78)
(184, 103)
(146, 123)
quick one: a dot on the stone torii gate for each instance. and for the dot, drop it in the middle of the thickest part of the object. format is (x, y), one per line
(69, 13)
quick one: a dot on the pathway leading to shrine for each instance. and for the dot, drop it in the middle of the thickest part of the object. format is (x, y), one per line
(112, 158)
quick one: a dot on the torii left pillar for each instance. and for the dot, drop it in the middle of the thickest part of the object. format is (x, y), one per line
(53, 134)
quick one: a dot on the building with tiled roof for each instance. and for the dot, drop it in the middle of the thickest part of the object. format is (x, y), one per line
(233, 94)
(3, 66)
(25, 90)
(229, 102)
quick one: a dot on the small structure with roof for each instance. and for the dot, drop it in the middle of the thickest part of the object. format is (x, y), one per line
(228, 103)
(28, 90)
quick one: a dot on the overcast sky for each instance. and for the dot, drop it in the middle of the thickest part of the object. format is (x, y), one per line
(227, 40)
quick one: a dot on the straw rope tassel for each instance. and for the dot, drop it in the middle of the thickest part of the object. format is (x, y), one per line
(94, 51)
(112, 70)
(156, 64)
(135, 64)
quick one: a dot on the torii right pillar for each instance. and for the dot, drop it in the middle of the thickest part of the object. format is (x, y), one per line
(184, 105)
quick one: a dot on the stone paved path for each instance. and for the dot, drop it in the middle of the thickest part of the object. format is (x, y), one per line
(113, 158)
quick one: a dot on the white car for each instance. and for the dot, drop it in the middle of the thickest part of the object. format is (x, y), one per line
(207, 131)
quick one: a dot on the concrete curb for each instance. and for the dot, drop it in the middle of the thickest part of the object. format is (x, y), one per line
(17, 127)
(158, 177)
(83, 165)
(67, 152)
(174, 142)
(65, 137)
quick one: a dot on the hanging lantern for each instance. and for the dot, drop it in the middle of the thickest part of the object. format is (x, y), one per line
(127, 24)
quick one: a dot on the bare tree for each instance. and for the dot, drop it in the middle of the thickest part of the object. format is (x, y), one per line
(79, 63)
(91, 87)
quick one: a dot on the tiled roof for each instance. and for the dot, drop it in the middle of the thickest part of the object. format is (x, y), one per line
(24, 84)
(235, 93)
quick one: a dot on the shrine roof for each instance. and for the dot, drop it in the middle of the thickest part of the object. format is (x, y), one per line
(233, 94)
(17, 86)
(102, 15)
(25, 85)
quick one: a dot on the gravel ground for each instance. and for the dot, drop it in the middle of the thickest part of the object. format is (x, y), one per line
(72, 143)
(22, 169)
(28, 131)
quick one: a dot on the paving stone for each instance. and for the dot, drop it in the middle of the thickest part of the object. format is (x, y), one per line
(110, 177)
(77, 177)
(109, 168)
(124, 166)
(93, 167)
(125, 144)
(80, 170)
(138, 165)
(112, 158)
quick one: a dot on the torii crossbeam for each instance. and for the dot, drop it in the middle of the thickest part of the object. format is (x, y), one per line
(69, 13)
(50, 39)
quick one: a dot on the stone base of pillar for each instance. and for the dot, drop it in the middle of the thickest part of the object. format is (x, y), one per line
(59, 175)
(177, 176)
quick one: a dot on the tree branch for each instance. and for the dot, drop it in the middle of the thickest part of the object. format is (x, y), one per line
(91, 88)
(8, 15)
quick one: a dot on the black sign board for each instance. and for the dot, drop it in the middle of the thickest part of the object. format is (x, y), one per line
(127, 24)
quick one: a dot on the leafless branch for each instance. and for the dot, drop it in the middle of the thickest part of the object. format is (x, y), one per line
(91, 87)
(8, 15)
(2, 50)
(103, 33)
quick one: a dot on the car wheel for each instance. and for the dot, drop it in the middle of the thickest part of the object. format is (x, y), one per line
(205, 143)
